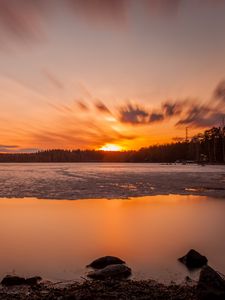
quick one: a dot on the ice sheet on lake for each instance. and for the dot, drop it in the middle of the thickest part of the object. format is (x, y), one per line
(107, 180)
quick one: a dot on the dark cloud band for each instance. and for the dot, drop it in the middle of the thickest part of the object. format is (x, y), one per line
(186, 111)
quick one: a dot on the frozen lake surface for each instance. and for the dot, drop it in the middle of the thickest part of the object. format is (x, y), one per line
(108, 180)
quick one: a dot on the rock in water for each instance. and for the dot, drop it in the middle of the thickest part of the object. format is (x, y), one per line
(105, 261)
(211, 286)
(33, 280)
(11, 280)
(193, 259)
(119, 271)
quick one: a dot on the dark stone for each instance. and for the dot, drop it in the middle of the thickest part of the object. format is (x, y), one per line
(105, 261)
(11, 280)
(193, 259)
(211, 286)
(119, 271)
(188, 279)
(33, 280)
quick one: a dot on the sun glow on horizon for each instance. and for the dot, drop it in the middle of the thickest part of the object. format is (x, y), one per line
(111, 147)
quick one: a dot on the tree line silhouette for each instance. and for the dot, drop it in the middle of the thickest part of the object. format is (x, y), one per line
(206, 147)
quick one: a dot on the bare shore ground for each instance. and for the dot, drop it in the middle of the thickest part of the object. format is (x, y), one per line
(107, 290)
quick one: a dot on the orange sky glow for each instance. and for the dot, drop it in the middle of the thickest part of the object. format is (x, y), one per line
(109, 74)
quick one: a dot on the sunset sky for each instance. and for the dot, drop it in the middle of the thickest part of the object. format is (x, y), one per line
(88, 73)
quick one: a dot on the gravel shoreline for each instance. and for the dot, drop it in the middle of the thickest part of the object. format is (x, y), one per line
(99, 290)
(210, 286)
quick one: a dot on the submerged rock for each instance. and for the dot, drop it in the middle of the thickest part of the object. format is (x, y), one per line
(33, 280)
(105, 261)
(193, 259)
(10, 280)
(119, 271)
(211, 286)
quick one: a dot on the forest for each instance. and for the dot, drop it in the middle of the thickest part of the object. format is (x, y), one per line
(206, 147)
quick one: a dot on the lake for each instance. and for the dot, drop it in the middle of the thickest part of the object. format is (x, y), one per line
(109, 180)
(57, 239)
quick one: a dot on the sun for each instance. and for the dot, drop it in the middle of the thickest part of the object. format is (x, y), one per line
(111, 147)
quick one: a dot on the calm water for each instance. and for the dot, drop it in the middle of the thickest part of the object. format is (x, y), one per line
(56, 239)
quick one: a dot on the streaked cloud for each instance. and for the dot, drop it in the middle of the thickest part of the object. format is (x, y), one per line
(156, 117)
(171, 109)
(24, 20)
(21, 19)
(133, 114)
(188, 112)
(8, 148)
(162, 7)
(219, 92)
(101, 12)
(53, 79)
(16, 149)
(102, 107)
(201, 116)
(82, 105)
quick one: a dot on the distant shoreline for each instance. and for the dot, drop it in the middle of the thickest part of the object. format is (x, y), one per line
(209, 147)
